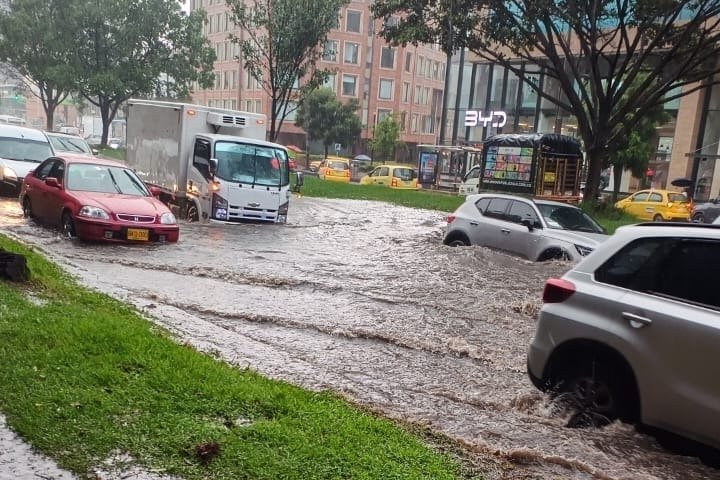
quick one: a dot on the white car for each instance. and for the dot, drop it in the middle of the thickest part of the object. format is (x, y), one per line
(21, 150)
(717, 221)
(68, 143)
(632, 332)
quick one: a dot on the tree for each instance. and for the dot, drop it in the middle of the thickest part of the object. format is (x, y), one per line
(36, 40)
(593, 49)
(386, 136)
(324, 118)
(127, 49)
(281, 45)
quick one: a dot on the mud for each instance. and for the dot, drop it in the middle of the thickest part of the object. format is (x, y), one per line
(362, 298)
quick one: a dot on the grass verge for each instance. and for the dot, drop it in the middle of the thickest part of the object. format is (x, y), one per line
(84, 375)
(608, 217)
(115, 154)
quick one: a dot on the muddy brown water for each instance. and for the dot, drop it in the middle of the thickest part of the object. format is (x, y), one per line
(363, 298)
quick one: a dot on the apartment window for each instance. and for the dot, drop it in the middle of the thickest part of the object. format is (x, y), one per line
(403, 121)
(233, 104)
(233, 79)
(385, 90)
(352, 53)
(218, 81)
(406, 92)
(408, 62)
(258, 106)
(226, 80)
(382, 114)
(427, 124)
(417, 95)
(331, 82)
(426, 96)
(352, 21)
(249, 104)
(415, 121)
(349, 85)
(291, 110)
(330, 51)
(419, 65)
(387, 58)
(435, 70)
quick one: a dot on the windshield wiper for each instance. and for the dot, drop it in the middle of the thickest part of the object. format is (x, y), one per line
(135, 182)
(117, 187)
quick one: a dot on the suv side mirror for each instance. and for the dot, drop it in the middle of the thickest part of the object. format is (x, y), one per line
(528, 223)
(52, 182)
(213, 165)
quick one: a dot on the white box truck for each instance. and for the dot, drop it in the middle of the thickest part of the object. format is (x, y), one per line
(209, 163)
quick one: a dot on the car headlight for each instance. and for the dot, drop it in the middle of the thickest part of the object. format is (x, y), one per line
(168, 218)
(8, 173)
(583, 251)
(93, 212)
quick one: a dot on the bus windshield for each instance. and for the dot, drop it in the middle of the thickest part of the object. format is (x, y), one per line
(252, 164)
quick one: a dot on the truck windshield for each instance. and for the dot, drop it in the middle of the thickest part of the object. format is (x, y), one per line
(252, 164)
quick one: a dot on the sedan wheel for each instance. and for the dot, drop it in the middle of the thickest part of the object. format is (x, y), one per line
(68, 226)
(27, 208)
(698, 218)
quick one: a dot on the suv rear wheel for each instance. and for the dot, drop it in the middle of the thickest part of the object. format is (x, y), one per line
(457, 240)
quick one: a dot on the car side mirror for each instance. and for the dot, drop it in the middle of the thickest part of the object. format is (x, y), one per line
(52, 182)
(95, 151)
(155, 191)
(213, 165)
(528, 223)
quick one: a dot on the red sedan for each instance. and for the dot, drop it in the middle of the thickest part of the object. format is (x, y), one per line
(96, 199)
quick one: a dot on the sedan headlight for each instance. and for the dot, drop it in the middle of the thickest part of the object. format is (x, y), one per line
(8, 173)
(583, 251)
(93, 212)
(168, 218)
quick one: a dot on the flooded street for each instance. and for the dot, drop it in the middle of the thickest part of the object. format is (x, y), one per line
(362, 298)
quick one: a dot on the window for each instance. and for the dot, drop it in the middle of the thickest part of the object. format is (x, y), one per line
(352, 53)
(640, 197)
(520, 211)
(42, 171)
(408, 62)
(258, 106)
(667, 267)
(201, 157)
(417, 95)
(406, 92)
(385, 90)
(383, 172)
(330, 51)
(58, 171)
(403, 121)
(655, 197)
(387, 57)
(382, 114)
(497, 208)
(331, 82)
(473, 173)
(352, 21)
(349, 85)
(415, 122)
(291, 111)
(483, 203)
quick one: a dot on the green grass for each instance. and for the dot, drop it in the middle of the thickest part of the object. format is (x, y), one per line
(83, 375)
(115, 154)
(608, 216)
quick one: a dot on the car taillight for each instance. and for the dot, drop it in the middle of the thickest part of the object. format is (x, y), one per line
(557, 290)
(450, 219)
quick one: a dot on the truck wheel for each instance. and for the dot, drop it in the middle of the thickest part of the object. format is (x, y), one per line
(192, 214)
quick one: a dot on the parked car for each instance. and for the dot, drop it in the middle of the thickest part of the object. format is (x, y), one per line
(67, 143)
(630, 333)
(335, 169)
(115, 143)
(706, 212)
(93, 140)
(393, 176)
(657, 205)
(21, 150)
(96, 199)
(315, 165)
(535, 229)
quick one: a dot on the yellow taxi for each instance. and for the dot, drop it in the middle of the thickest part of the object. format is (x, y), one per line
(335, 169)
(657, 205)
(393, 176)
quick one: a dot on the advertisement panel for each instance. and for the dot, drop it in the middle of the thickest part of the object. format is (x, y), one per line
(428, 167)
(508, 166)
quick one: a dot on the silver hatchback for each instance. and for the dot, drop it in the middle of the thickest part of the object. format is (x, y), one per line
(535, 229)
(633, 332)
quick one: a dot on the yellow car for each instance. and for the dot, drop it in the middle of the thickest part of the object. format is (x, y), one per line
(393, 176)
(656, 205)
(335, 169)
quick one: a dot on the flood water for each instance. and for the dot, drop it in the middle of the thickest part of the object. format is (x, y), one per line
(362, 298)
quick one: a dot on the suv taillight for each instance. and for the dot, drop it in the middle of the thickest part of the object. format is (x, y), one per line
(557, 290)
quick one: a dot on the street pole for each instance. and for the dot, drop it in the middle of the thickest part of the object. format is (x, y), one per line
(446, 89)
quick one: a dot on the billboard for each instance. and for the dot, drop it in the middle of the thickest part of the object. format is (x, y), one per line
(508, 166)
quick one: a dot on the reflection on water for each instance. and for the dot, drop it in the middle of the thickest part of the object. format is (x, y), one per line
(362, 298)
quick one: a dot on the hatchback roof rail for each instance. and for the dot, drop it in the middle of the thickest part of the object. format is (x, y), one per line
(677, 224)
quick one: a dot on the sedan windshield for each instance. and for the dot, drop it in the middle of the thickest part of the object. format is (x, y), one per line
(70, 144)
(24, 150)
(86, 177)
(565, 217)
(252, 164)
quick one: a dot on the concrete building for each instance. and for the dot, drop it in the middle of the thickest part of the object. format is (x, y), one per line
(405, 81)
(687, 146)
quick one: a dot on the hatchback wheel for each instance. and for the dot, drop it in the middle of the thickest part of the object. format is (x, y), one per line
(68, 226)
(27, 208)
(658, 218)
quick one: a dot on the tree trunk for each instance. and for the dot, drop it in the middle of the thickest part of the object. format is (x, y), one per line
(327, 147)
(617, 178)
(595, 158)
(106, 121)
(273, 120)
(50, 115)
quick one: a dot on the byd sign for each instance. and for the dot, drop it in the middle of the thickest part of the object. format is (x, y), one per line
(473, 118)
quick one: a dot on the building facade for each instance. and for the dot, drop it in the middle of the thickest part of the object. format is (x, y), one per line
(687, 146)
(404, 81)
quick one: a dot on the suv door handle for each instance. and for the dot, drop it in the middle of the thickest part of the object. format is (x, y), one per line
(631, 317)
(505, 231)
(474, 224)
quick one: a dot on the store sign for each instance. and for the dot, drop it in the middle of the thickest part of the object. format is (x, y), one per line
(497, 119)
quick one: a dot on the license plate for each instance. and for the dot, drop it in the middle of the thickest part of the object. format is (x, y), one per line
(138, 234)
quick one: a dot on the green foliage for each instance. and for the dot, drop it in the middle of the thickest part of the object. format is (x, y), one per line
(386, 135)
(281, 43)
(36, 41)
(126, 49)
(84, 376)
(324, 118)
(613, 62)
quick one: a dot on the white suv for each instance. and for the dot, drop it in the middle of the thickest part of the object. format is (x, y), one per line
(632, 332)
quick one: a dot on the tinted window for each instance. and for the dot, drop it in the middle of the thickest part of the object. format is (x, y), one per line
(405, 174)
(42, 171)
(520, 211)
(655, 197)
(23, 149)
(384, 172)
(639, 197)
(497, 208)
(677, 197)
(667, 267)
(482, 204)
(566, 217)
(69, 144)
(474, 173)
(58, 170)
